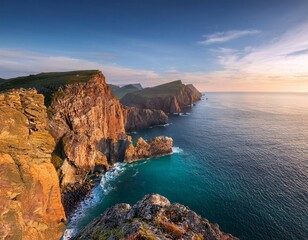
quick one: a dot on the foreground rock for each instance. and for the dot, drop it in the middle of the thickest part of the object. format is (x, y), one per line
(30, 203)
(170, 97)
(136, 118)
(154, 217)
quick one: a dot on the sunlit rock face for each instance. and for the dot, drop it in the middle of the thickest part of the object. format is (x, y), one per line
(30, 202)
(87, 122)
(158, 146)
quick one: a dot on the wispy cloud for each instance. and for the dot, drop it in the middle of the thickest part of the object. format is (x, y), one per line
(220, 37)
(279, 65)
(15, 63)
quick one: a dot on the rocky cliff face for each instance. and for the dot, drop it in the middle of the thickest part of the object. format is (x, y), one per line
(30, 203)
(87, 122)
(136, 118)
(153, 217)
(170, 97)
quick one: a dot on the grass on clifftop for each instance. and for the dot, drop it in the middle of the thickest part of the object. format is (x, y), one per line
(47, 83)
(120, 92)
(46, 80)
(165, 90)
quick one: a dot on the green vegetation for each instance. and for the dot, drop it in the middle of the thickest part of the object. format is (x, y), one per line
(106, 233)
(164, 90)
(47, 83)
(120, 92)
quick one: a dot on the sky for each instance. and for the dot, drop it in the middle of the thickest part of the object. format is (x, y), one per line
(217, 45)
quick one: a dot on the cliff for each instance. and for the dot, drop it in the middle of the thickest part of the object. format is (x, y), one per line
(86, 121)
(170, 97)
(137, 118)
(153, 217)
(30, 203)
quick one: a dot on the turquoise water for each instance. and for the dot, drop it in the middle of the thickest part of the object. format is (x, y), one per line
(241, 162)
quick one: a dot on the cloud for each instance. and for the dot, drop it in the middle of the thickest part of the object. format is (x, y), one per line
(15, 63)
(220, 37)
(284, 56)
(279, 65)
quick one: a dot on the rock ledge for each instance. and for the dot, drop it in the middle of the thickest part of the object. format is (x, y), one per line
(153, 217)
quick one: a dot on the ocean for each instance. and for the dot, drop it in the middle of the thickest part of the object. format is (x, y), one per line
(240, 160)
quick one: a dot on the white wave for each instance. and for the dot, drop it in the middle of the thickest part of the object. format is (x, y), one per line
(68, 233)
(134, 132)
(167, 124)
(184, 114)
(94, 198)
(177, 150)
(109, 176)
(161, 125)
(135, 174)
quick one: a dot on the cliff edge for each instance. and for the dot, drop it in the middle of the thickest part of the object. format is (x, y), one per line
(153, 217)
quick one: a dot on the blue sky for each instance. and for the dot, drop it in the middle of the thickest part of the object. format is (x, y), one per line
(228, 45)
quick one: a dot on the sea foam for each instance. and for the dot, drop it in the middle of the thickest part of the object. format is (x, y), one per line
(177, 150)
(95, 197)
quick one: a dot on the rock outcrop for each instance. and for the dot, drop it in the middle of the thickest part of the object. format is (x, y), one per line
(136, 118)
(158, 146)
(30, 202)
(153, 217)
(170, 97)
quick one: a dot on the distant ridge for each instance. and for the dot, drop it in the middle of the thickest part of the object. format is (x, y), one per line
(170, 97)
(120, 92)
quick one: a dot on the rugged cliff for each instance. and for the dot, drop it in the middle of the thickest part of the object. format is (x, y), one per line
(153, 217)
(30, 203)
(137, 118)
(86, 121)
(170, 97)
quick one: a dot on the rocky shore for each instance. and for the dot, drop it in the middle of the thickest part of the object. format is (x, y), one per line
(153, 217)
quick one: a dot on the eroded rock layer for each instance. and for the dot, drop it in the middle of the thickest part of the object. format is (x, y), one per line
(153, 217)
(30, 203)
